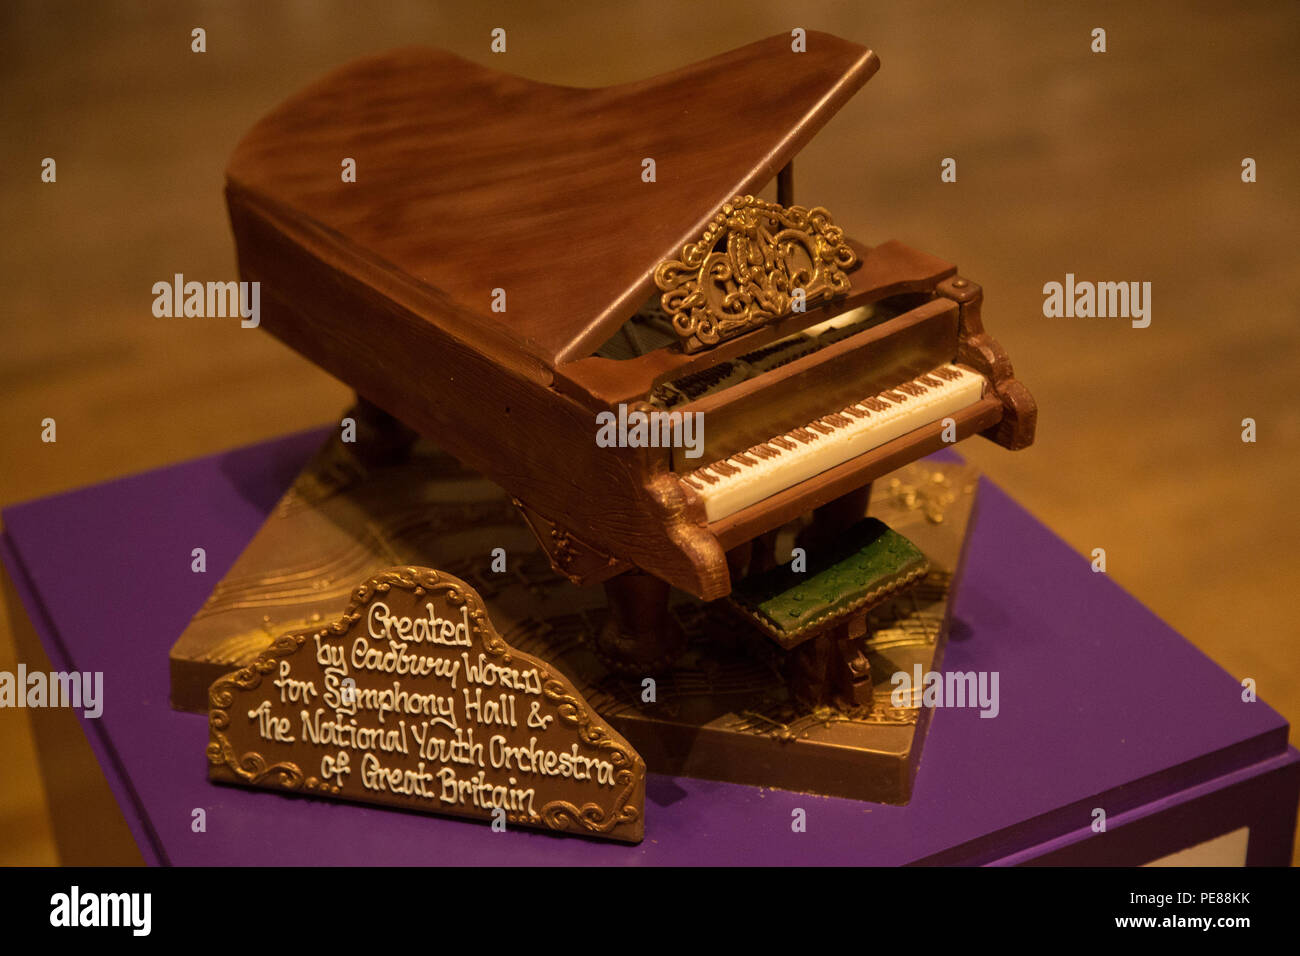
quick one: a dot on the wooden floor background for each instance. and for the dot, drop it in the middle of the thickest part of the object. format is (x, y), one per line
(1116, 166)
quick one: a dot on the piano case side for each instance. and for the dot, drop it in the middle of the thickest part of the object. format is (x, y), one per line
(485, 409)
(982, 352)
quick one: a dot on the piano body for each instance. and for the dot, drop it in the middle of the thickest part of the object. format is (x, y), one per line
(507, 266)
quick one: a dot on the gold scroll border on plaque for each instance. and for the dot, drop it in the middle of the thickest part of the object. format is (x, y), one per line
(252, 768)
(745, 268)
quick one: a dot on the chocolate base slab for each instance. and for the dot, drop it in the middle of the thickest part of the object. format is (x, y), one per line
(721, 712)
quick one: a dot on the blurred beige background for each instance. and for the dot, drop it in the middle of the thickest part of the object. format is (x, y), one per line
(1117, 166)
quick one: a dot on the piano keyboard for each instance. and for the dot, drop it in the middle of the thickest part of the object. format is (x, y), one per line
(759, 472)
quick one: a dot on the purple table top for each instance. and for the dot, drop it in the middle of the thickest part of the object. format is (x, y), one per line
(1102, 704)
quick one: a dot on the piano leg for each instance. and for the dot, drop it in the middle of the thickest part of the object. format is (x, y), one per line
(831, 669)
(381, 438)
(640, 636)
(830, 520)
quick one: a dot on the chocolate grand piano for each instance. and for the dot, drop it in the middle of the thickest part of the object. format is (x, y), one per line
(515, 259)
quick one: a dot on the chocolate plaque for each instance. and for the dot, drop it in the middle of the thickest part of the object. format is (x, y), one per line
(412, 699)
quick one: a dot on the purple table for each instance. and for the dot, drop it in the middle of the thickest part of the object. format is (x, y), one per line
(1102, 705)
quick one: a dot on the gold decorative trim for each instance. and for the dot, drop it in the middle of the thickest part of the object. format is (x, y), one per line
(569, 555)
(744, 270)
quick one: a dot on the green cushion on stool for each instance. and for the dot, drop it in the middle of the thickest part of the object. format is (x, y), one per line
(868, 564)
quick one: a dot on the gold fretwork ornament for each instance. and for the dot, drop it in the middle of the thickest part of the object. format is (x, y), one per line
(744, 270)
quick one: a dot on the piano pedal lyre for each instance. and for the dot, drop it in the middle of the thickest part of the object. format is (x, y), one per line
(815, 531)
(831, 519)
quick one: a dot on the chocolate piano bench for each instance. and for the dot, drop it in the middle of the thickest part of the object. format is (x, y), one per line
(819, 614)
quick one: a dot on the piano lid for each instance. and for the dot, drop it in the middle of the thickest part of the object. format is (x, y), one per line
(470, 180)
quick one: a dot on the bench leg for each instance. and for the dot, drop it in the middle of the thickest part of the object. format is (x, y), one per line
(831, 669)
